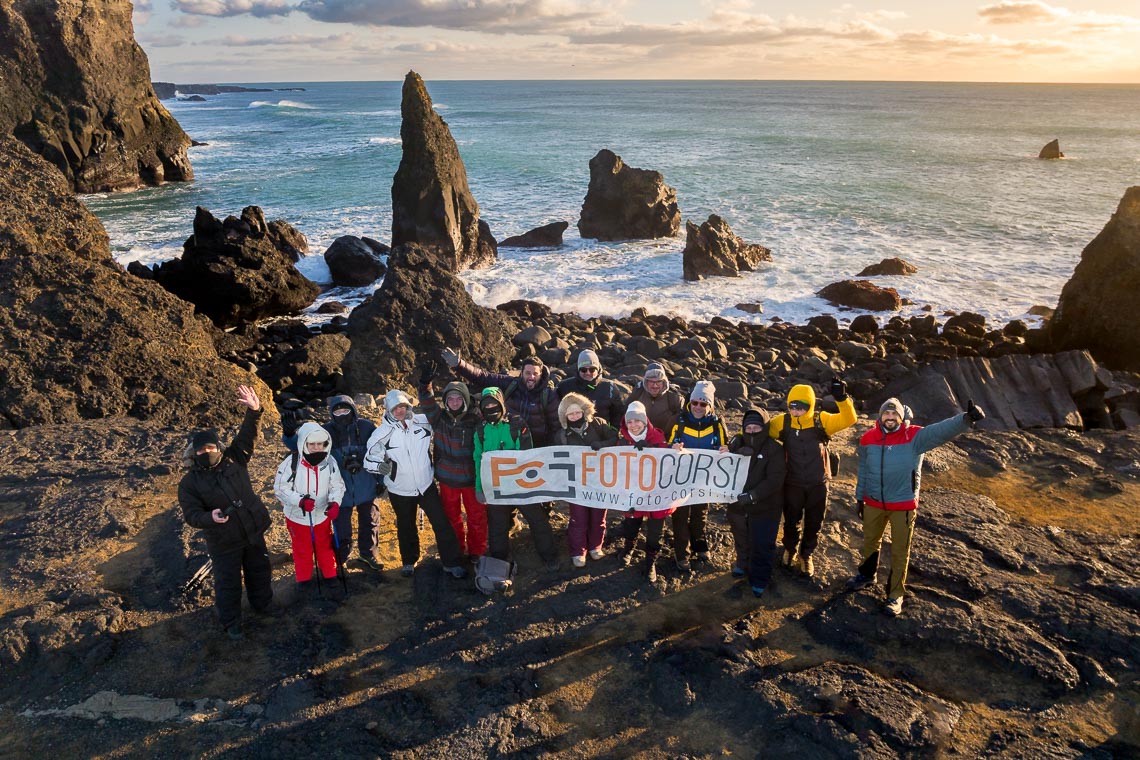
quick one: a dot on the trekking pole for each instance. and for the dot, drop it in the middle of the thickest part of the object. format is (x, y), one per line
(340, 571)
(316, 564)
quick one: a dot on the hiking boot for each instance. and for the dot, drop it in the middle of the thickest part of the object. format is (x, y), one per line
(807, 566)
(758, 591)
(579, 560)
(408, 570)
(234, 633)
(271, 610)
(553, 563)
(334, 591)
(791, 558)
(597, 554)
(370, 562)
(894, 606)
(738, 571)
(683, 564)
(625, 554)
(859, 581)
(455, 572)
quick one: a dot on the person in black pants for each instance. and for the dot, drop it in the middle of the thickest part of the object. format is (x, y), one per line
(217, 497)
(755, 515)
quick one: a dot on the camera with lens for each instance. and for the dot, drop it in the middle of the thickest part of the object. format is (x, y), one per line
(353, 462)
(232, 509)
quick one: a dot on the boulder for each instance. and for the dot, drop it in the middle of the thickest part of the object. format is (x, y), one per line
(237, 271)
(290, 241)
(860, 294)
(624, 203)
(1051, 150)
(1097, 307)
(353, 262)
(751, 308)
(889, 268)
(546, 236)
(865, 324)
(82, 338)
(420, 308)
(713, 250)
(76, 90)
(431, 202)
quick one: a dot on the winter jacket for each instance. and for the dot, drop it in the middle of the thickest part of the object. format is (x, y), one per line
(654, 439)
(202, 490)
(663, 410)
(890, 464)
(348, 438)
(590, 429)
(804, 446)
(538, 407)
(296, 478)
(407, 445)
(765, 480)
(498, 436)
(454, 435)
(607, 399)
(705, 433)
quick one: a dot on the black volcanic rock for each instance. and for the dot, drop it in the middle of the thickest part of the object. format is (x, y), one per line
(889, 267)
(238, 270)
(546, 236)
(624, 203)
(1051, 150)
(860, 294)
(431, 202)
(1097, 308)
(420, 308)
(75, 88)
(353, 262)
(82, 338)
(712, 250)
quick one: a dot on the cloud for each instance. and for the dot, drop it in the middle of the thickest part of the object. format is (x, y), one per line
(303, 40)
(226, 8)
(161, 40)
(1021, 12)
(497, 16)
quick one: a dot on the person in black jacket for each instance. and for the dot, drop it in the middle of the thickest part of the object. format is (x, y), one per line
(217, 497)
(605, 396)
(755, 515)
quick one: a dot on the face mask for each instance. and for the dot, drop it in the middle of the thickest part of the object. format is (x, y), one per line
(342, 416)
(315, 457)
(492, 413)
(208, 459)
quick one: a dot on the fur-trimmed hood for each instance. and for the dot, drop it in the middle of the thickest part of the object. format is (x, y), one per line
(575, 399)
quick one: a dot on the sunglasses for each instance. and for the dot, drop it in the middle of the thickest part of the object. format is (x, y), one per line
(798, 405)
(698, 403)
(589, 370)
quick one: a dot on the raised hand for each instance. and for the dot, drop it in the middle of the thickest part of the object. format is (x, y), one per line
(248, 397)
(974, 412)
(839, 388)
(451, 357)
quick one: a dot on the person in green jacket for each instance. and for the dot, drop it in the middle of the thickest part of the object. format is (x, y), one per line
(503, 432)
(890, 476)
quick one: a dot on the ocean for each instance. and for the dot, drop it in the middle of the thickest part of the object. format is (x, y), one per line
(832, 176)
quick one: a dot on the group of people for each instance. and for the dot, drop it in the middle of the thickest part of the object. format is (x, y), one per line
(427, 458)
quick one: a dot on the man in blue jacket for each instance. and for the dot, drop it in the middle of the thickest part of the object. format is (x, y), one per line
(890, 475)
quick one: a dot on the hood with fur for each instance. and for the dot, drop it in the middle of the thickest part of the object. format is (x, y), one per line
(575, 399)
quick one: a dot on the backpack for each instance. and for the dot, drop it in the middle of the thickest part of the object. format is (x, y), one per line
(832, 457)
(544, 397)
(493, 575)
(483, 436)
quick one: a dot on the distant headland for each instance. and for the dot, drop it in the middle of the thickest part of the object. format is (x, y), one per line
(168, 90)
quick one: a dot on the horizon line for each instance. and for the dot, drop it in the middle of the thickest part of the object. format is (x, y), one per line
(790, 81)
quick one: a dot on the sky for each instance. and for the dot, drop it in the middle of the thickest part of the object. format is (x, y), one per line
(191, 41)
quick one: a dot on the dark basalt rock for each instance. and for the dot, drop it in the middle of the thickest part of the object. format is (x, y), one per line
(353, 262)
(860, 294)
(624, 203)
(238, 270)
(713, 250)
(1097, 308)
(1051, 150)
(431, 202)
(889, 267)
(546, 236)
(420, 308)
(76, 90)
(82, 338)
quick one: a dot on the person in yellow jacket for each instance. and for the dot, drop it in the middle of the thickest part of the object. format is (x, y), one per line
(805, 435)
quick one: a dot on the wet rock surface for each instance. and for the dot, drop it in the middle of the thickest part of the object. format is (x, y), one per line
(431, 202)
(625, 203)
(238, 270)
(354, 261)
(889, 267)
(713, 250)
(546, 236)
(1052, 149)
(860, 294)
(76, 90)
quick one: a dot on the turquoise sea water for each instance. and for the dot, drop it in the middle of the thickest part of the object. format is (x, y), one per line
(831, 176)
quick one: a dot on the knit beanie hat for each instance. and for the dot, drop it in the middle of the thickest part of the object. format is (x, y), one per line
(755, 417)
(205, 437)
(589, 359)
(655, 372)
(892, 405)
(636, 411)
(703, 390)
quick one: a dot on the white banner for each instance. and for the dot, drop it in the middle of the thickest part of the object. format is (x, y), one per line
(621, 478)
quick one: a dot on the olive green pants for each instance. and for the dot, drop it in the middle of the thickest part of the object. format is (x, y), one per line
(875, 523)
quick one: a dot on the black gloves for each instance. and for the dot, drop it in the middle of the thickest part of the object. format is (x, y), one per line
(974, 412)
(598, 445)
(640, 445)
(518, 427)
(745, 499)
(859, 505)
(839, 388)
(426, 374)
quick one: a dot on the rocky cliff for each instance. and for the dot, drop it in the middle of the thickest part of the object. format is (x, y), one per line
(75, 88)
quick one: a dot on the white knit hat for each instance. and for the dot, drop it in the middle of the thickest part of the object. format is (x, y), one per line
(636, 411)
(703, 390)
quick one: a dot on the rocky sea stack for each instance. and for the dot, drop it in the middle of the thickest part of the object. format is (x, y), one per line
(713, 250)
(431, 202)
(624, 203)
(75, 88)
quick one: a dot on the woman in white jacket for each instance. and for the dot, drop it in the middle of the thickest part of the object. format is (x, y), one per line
(310, 488)
(400, 450)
